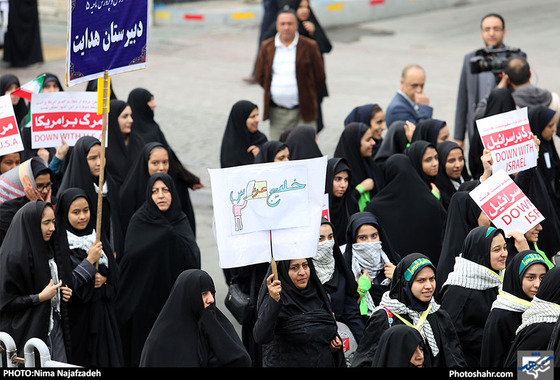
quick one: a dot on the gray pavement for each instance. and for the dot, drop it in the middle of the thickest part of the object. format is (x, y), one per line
(196, 70)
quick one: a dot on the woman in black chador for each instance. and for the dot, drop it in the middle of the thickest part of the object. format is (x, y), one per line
(159, 246)
(242, 140)
(295, 322)
(191, 331)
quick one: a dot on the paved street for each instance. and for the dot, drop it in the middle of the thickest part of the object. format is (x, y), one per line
(195, 73)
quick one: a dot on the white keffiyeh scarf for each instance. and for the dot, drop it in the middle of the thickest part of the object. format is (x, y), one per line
(84, 242)
(470, 275)
(540, 311)
(425, 329)
(324, 260)
(507, 301)
(371, 257)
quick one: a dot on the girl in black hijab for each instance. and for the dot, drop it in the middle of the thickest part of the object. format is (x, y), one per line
(356, 146)
(296, 325)
(410, 301)
(462, 216)
(191, 331)
(499, 101)
(539, 320)
(142, 103)
(123, 146)
(522, 277)
(9, 83)
(341, 207)
(159, 246)
(242, 140)
(421, 216)
(369, 249)
(472, 287)
(543, 125)
(153, 158)
(338, 280)
(82, 172)
(452, 170)
(302, 142)
(372, 115)
(93, 324)
(273, 151)
(34, 282)
(400, 346)
(424, 159)
(433, 131)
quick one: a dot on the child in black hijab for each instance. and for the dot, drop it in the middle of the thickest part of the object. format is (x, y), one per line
(93, 323)
(472, 287)
(410, 302)
(539, 320)
(522, 278)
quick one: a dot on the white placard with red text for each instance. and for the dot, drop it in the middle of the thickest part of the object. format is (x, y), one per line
(64, 115)
(10, 139)
(509, 138)
(505, 204)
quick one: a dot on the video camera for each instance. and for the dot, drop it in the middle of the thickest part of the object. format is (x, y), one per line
(493, 60)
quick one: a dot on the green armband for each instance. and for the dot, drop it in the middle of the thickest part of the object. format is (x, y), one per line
(360, 188)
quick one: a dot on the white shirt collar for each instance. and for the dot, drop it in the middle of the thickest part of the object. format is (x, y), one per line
(279, 43)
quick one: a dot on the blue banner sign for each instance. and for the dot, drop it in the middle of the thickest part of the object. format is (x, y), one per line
(105, 35)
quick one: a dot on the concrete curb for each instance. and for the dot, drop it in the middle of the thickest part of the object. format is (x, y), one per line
(329, 12)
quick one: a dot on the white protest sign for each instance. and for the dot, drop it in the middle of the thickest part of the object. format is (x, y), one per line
(10, 139)
(64, 115)
(509, 138)
(505, 204)
(251, 202)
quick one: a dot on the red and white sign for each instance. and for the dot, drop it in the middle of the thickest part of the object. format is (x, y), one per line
(509, 138)
(505, 204)
(10, 139)
(64, 115)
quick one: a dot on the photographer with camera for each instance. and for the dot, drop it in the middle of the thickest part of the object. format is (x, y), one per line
(481, 72)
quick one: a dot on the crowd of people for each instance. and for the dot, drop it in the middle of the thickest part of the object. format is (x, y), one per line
(409, 271)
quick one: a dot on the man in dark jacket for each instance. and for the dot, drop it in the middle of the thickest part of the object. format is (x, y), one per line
(291, 71)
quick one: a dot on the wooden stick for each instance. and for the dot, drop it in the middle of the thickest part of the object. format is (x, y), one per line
(102, 158)
(272, 261)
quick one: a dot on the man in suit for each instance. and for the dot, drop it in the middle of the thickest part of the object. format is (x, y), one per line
(475, 87)
(410, 103)
(291, 71)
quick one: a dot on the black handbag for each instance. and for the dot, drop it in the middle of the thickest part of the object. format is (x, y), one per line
(240, 304)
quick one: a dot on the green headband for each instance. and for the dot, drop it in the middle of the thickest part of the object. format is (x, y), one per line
(489, 231)
(415, 266)
(530, 259)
